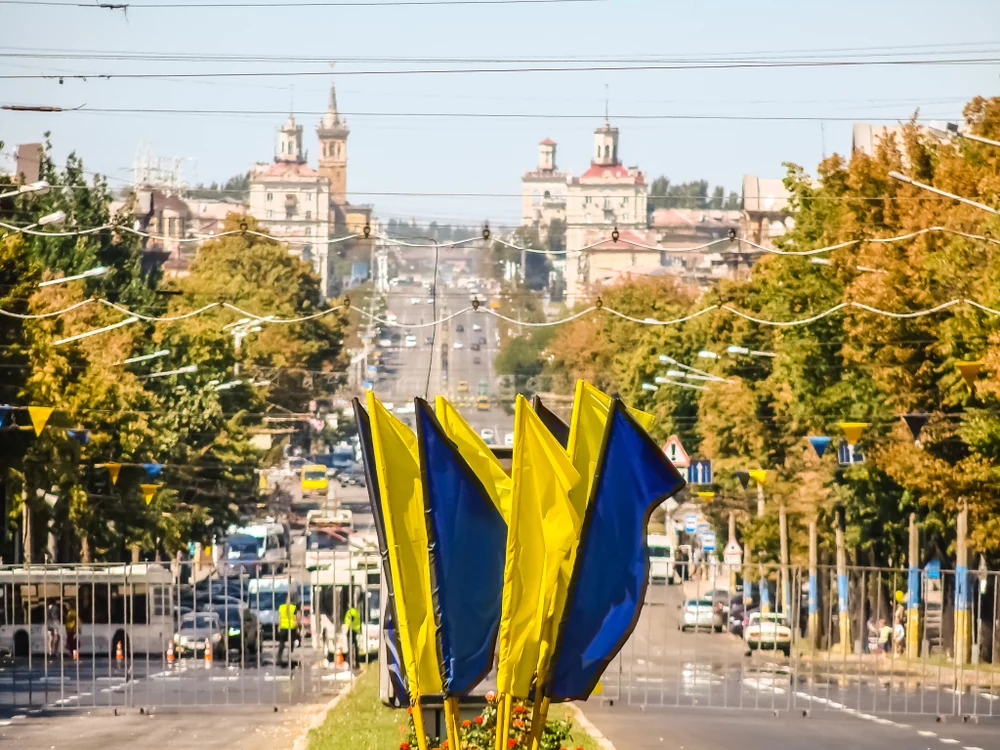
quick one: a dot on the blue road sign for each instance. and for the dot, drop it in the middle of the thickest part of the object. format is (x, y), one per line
(849, 454)
(690, 523)
(703, 527)
(933, 569)
(367, 385)
(699, 471)
(708, 541)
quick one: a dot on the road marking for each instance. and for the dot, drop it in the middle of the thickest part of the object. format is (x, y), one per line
(926, 733)
(971, 747)
(949, 741)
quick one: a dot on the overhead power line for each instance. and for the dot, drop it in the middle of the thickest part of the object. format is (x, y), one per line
(290, 4)
(592, 68)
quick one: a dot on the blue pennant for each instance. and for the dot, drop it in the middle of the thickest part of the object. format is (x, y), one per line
(819, 443)
(153, 470)
(80, 436)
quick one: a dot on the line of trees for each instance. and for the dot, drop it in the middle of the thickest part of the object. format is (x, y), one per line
(694, 194)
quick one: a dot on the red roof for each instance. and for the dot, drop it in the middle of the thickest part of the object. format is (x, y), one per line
(290, 169)
(623, 234)
(547, 142)
(614, 172)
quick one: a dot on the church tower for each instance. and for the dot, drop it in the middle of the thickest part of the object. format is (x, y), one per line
(332, 131)
(290, 142)
(606, 145)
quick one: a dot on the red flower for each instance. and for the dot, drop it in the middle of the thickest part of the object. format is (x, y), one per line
(467, 723)
(519, 709)
(444, 744)
(479, 719)
(512, 742)
(491, 696)
(404, 746)
(410, 710)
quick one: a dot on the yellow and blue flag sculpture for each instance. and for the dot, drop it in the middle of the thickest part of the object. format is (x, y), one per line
(608, 585)
(558, 428)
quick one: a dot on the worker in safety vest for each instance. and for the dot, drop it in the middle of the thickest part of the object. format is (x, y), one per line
(288, 628)
(352, 626)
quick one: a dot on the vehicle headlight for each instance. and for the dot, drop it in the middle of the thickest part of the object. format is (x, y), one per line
(234, 631)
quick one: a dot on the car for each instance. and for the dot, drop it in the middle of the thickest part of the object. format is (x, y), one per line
(414, 300)
(196, 629)
(457, 345)
(385, 341)
(474, 347)
(476, 327)
(463, 386)
(698, 614)
(430, 300)
(487, 435)
(661, 558)
(483, 403)
(477, 360)
(767, 630)
(240, 631)
(411, 341)
(482, 341)
(508, 440)
(428, 341)
(460, 328)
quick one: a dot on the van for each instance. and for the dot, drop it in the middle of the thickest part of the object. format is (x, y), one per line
(661, 558)
(272, 547)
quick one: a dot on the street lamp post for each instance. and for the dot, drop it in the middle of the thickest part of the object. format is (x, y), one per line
(949, 129)
(968, 201)
(41, 187)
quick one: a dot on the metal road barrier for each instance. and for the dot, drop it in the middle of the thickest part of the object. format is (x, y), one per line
(713, 643)
(180, 633)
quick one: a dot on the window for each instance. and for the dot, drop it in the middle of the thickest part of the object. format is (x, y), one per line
(547, 195)
(625, 201)
(607, 151)
(289, 212)
(270, 196)
(309, 215)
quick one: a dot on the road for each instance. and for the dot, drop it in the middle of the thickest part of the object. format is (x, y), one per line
(670, 689)
(435, 366)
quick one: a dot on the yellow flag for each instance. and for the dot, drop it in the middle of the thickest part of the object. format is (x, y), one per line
(113, 471)
(543, 529)
(397, 464)
(148, 490)
(969, 371)
(758, 475)
(39, 416)
(853, 430)
(476, 453)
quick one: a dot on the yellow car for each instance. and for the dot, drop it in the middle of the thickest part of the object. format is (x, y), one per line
(483, 403)
(314, 478)
(463, 386)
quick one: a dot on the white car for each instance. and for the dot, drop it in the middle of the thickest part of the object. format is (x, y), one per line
(457, 345)
(385, 342)
(411, 341)
(476, 327)
(414, 300)
(767, 631)
(697, 614)
(487, 435)
(508, 440)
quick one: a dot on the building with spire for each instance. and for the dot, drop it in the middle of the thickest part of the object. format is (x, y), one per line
(306, 206)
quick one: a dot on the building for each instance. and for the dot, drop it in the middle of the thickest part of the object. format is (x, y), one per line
(332, 131)
(715, 230)
(766, 213)
(543, 191)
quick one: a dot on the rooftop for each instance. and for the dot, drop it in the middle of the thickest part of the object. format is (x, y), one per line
(614, 172)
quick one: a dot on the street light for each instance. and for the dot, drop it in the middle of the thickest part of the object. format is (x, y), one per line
(88, 334)
(649, 387)
(910, 181)
(948, 129)
(98, 271)
(166, 373)
(41, 187)
(144, 357)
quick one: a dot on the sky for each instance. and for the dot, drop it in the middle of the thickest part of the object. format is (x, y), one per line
(426, 167)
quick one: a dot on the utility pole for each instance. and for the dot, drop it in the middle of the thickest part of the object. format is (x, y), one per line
(963, 620)
(913, 634)
(732, 538)
(813, 623)
(760, 499)
(842, 609)
(786, 586)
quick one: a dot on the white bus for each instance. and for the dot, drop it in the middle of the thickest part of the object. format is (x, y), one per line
(336, 588)
(661, 558)
(129, 605)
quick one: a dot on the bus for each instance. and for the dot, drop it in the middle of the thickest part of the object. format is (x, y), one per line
(336, 588)
(126, 605)
(661, 558)
(314, 479)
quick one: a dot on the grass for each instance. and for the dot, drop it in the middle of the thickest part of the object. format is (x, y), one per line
(361, 722)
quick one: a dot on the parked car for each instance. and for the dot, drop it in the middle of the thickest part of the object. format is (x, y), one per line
(195, 630)
(240, 631)
(698, 614)
(460, 328)
(474, 347)
(487, 435)
(767, 631)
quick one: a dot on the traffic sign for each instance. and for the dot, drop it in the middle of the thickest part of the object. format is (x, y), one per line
(848, 454)
(708, 541)
(733, 554)
(699, 471)
(703, 527)
(933, 569)
(676, 453)
(690, 523)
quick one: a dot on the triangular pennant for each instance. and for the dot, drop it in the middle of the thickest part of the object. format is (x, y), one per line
(916, 422)
(153, 470)
(80, 436)
(39, 416)
(852, 431)
(4, 415)
(819, 443)
(969, 370)
(758, 475)
(744, 477)
(113, 471)
(706, 496)
(558, 428)
(148, 490)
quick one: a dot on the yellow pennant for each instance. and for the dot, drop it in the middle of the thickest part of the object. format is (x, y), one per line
(39, 416)
(148, 490)
(853, 430)
(969, 371)
(758, 475)
(706, 496)
(262, 484)
(113, 471)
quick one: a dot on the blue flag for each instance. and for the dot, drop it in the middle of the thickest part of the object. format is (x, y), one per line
(153, 470)
(558, 428)
(606, 593)
(819, 443)
(400, 691)
(468, 543)
(80, 436)
(4, 414)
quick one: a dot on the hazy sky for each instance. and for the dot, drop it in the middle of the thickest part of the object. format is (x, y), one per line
(409, 154)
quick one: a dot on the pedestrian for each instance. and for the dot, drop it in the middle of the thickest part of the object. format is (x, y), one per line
(288, 629)
(352, 627)
(70, 621)
(898, 637)
(884, 636)
(53, 624)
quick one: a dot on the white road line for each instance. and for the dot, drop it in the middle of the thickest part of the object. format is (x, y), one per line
(926, 733)
(971, 747)
(948, 741)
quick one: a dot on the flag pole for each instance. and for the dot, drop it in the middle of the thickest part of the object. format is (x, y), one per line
(503, 720)
(418, 723)
(539, 716)
(451, 722)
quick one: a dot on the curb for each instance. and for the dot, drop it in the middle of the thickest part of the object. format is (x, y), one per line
(302, 741)
(580, 718)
